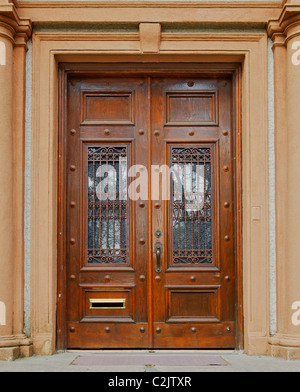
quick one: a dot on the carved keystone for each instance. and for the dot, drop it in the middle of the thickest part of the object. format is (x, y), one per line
(150, 37)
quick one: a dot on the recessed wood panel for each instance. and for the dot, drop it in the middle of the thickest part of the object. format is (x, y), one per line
(107, 108)
(193, 304)
(195, 108)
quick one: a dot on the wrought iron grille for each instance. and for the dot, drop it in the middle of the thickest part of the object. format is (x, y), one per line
(191, 205)
(108, 208)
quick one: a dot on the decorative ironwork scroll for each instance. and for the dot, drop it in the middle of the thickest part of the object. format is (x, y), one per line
(108, 208)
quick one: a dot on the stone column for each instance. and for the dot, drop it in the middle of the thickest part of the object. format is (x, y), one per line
(13, 36)
(286, 37)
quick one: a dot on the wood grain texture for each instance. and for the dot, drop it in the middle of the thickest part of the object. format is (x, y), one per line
(161, 309)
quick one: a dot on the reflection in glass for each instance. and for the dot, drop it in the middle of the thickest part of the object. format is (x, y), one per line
(190, 205)
(107, 205)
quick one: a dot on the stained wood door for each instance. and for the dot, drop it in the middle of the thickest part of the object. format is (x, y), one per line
(192, 122)
(156, 267)
(107, 231)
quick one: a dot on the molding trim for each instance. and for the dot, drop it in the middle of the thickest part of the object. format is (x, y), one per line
(147, 4)
(164, 12)
(216, 37)
(12, 341)
(284, 346)
(17, 29)
(286, 27)
(284, 340)
(73, 47)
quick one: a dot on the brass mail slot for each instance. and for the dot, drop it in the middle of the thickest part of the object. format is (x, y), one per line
(108, 303)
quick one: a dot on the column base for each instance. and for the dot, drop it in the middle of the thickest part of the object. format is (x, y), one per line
(43, 344)
(289, 353)
(14, 347)
(256, 344)
(9, 353)
(284, 346)
(278, 346)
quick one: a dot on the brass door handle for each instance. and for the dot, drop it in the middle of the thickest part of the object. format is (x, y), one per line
(158, 248)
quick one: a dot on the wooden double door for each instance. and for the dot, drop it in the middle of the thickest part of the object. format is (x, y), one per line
(149, 212)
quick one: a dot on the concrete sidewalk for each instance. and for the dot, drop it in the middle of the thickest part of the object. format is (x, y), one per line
(235, 362)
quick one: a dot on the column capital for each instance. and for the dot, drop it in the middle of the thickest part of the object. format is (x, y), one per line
(17, 30)
(287, 26)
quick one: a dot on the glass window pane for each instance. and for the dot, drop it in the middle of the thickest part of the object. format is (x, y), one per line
(190, 205)
(107, 205)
